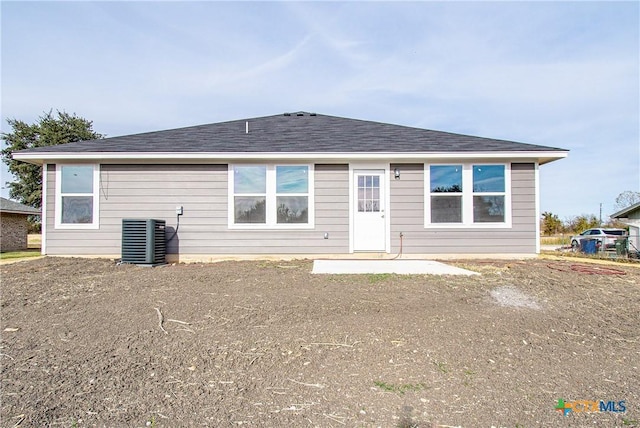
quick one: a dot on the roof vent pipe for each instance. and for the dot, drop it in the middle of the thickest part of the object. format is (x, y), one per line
(247, 127)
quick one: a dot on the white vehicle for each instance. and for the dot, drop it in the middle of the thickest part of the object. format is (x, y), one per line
(604, 237)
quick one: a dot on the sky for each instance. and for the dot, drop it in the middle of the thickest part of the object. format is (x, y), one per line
(559, 74)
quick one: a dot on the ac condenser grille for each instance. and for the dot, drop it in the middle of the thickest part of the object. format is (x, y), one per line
(143, 241)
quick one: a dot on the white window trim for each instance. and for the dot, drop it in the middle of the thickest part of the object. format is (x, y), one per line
(96, 199)
(271, 213)
(537, 204)
(467, 198)
(45, 201)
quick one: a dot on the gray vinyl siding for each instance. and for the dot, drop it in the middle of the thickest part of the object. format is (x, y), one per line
(154, 191)
(407, 216)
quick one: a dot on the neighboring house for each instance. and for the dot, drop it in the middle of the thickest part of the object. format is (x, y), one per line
(631, 217)
(300, 184)
(13, 224)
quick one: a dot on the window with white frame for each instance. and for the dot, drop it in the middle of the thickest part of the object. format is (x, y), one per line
(265, 196)
(467, 195)
(489, 193)
(445, 187)
(250, 194)
(77, 196)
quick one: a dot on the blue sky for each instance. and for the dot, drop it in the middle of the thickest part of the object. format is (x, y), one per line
(562, 74)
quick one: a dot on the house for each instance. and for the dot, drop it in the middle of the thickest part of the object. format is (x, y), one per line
(631, 217)
(13, 224)
(296, 184)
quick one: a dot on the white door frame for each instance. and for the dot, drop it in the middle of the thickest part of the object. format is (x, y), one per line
(356, 166)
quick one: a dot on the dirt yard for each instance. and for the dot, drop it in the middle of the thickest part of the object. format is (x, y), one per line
(270, 344)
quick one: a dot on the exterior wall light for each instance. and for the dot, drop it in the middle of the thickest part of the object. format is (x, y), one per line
(396, 173)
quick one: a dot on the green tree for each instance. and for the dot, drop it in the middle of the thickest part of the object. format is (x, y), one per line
(584, 222)
(49, 130)
(551, 224)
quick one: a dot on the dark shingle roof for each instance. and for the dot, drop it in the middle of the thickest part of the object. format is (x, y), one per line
(294, 133)
(9, 206)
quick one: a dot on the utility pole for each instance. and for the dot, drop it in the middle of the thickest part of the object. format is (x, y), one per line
(600, 224)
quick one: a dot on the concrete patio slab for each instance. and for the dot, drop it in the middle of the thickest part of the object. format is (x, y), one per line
(405, 267)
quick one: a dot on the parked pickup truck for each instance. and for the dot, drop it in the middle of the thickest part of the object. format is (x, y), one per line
(605, 237)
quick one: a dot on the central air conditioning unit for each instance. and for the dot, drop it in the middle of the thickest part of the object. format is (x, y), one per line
(143, 242)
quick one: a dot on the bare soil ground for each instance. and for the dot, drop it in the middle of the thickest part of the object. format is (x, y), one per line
(270, 344)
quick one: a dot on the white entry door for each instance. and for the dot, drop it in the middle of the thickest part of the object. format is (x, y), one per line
(369, 223)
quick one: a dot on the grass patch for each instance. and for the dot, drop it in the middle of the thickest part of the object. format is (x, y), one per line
(19, 254)
(400, 389)
(555, 240)
(378, 277)
(468, 377)
(442, 367)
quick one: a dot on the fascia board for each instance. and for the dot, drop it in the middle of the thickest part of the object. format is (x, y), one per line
(39, 158)
(20, 212)
(626, 211)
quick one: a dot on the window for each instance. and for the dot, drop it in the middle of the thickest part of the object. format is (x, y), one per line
(77, 196)
(270, 196)
(467, 195)
(446, 193)
(368, 193)
(292, 194)
(250, 189)
(488, 193)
